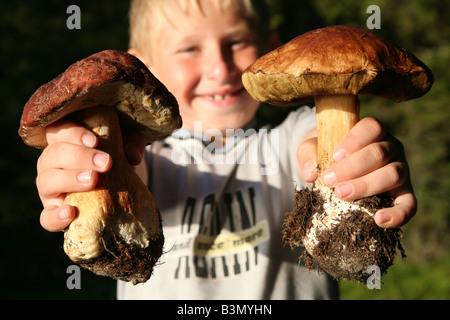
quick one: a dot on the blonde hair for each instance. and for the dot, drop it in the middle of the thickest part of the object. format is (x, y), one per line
(145, 16)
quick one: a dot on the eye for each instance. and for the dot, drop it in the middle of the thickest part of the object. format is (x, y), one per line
(188, 50)
(239, 43)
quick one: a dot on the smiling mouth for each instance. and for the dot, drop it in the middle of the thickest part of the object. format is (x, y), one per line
(224, 97)
(219, 97)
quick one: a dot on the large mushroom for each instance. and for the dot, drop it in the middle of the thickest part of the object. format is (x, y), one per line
(332, 66)
(117, 231)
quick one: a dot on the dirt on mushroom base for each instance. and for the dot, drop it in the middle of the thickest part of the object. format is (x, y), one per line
(346, 249)
(125, 261)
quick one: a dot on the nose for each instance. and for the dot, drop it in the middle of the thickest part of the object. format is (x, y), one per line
(220, 64)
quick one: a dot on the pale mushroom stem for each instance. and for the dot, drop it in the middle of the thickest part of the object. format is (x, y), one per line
(104, 122)
(119, 214)
(101, 206)
(336, 115)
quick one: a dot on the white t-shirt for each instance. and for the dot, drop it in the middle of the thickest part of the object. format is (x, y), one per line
(222, 212)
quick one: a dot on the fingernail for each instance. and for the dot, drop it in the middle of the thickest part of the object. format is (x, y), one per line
(84, 176)
(382, 218)
(100, 160)
(344, 190)
(88, 139)
(63, 214)
(339, 154)
(329, 178)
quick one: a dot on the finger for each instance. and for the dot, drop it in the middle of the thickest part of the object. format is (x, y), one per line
(365, 132)
(307, 159)
(70, 156)
(362, 162)
(70, 132)
(57, 218)
(64, 181)
(382, 180)
(404, 209)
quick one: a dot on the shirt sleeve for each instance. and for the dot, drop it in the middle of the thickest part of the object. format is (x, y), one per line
(291, 131)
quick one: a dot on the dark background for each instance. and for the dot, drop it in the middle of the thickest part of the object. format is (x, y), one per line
(36, 46)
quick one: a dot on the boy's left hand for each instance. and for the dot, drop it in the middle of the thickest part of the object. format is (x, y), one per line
(367, 162)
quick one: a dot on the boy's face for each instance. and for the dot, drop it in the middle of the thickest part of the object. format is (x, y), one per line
(200, 57)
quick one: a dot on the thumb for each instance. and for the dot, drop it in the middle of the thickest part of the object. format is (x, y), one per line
(307, 159)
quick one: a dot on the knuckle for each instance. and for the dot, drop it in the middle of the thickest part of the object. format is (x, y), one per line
(40, 185)
(39, 163)
(43, 221)
(375, 127)
(379, 153)
(346, 170)
(352, 139)
(38, 182)
(396, 173)
(48, 220)
(45, 156)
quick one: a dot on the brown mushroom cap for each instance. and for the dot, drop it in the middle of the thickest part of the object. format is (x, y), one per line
(112, 78)
(336, 60)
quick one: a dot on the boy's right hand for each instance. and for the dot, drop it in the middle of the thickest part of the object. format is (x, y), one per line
(70, 163)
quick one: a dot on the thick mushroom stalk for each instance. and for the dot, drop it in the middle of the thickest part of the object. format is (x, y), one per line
(336, 115)
(332, 66)
(117, 231)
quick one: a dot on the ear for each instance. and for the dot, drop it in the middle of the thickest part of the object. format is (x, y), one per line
(140, 56)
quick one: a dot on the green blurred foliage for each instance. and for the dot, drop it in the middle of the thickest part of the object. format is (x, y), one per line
(36, 46)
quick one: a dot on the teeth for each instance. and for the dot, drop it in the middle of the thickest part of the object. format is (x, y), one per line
(218, 97)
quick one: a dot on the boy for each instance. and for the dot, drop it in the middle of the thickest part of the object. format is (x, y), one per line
(221, 209)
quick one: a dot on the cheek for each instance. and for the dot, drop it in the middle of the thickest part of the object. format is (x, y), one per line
(246, 57)
(180, 79)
